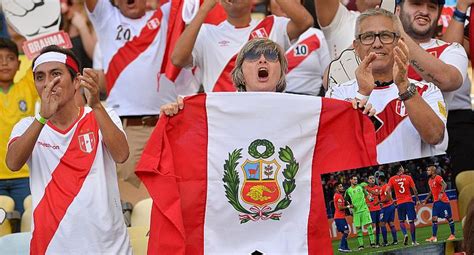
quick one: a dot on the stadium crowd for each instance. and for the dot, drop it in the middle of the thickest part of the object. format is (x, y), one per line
(406, 64)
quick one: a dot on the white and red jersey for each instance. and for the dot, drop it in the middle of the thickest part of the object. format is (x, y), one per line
(307, 59)
(397, 138)
(340, 33)
(75, 196)
(132, 54)
(451, 54)
(217, 45)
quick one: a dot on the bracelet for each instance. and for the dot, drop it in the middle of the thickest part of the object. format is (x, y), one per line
(360, 97)
(411, 91)
(459, 16)
(40, 119)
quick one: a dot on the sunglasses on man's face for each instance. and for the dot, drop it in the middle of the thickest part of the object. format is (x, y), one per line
(269, 55)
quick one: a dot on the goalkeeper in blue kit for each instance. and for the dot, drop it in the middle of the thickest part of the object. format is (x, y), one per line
(356, 195)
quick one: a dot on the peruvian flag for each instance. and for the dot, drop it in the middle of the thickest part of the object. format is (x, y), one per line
(176, 25)
(235, 173)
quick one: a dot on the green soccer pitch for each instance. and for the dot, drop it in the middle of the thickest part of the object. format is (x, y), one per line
(422, 233)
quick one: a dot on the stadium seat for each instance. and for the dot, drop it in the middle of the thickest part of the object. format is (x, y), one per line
(27, 202)
(16, 243)
(7, 214)
(26, 220)
(139, 245)
(141, 213)
(464, 198)
(138, 232)
(463, 179)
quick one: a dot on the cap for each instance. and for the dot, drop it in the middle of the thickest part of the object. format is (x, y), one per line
(440, 2)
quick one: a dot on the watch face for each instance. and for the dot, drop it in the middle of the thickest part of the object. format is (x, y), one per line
(411, 90)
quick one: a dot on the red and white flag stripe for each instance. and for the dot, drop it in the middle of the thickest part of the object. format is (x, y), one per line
(183, 170)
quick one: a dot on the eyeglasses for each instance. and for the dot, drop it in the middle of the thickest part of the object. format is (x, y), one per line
(253, 55)
(386, 37)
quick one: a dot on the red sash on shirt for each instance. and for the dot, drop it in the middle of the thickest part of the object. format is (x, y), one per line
(301, 51)
(66, 182)
(224, 82)
(436, 51)
(132, 49)
(392, 115)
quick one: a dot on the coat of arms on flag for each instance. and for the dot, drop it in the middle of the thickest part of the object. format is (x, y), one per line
(87, 142)
(260, 189)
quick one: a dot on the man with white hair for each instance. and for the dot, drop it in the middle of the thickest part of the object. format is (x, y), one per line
(410, 112)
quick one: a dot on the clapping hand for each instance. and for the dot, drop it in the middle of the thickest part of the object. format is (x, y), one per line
(90, 82)
(364, 76)
(400, 66)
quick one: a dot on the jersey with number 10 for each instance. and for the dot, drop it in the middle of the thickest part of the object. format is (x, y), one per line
(401, 184)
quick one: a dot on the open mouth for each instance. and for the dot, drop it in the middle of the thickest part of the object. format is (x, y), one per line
(130, 2)
(422, 20)
(262, 74)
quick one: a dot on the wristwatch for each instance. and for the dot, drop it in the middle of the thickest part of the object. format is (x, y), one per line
(411, 91)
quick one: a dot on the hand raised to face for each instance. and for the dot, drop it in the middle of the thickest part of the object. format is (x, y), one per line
(50, 98)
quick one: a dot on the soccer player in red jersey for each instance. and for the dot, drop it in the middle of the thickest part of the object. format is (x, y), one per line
(387, 214)
(441, 206)
(374, 206)
(401, 184)
(340, 216)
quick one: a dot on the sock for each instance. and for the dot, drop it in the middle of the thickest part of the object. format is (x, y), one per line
(384, 234)
(377, 234)
(451, 225)
(394, 233)
(412, 231)
(360, 237)
(435, 228)
(344, 244)
(371, 233)
(403, 228)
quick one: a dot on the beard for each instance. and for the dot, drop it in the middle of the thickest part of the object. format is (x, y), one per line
(409, 27)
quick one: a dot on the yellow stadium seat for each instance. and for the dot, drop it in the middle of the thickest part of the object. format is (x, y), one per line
(138, 232)
(463, 179)
(26, 220)
(141, 213)
(464, 198)
(27, 202)
(7, 204)
(139, 245)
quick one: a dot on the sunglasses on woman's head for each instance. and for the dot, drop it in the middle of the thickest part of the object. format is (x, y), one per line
(269, 55)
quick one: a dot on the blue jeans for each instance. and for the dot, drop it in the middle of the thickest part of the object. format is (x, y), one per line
(17, 189)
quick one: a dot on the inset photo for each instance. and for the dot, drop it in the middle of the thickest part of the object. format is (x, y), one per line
(393, 207)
